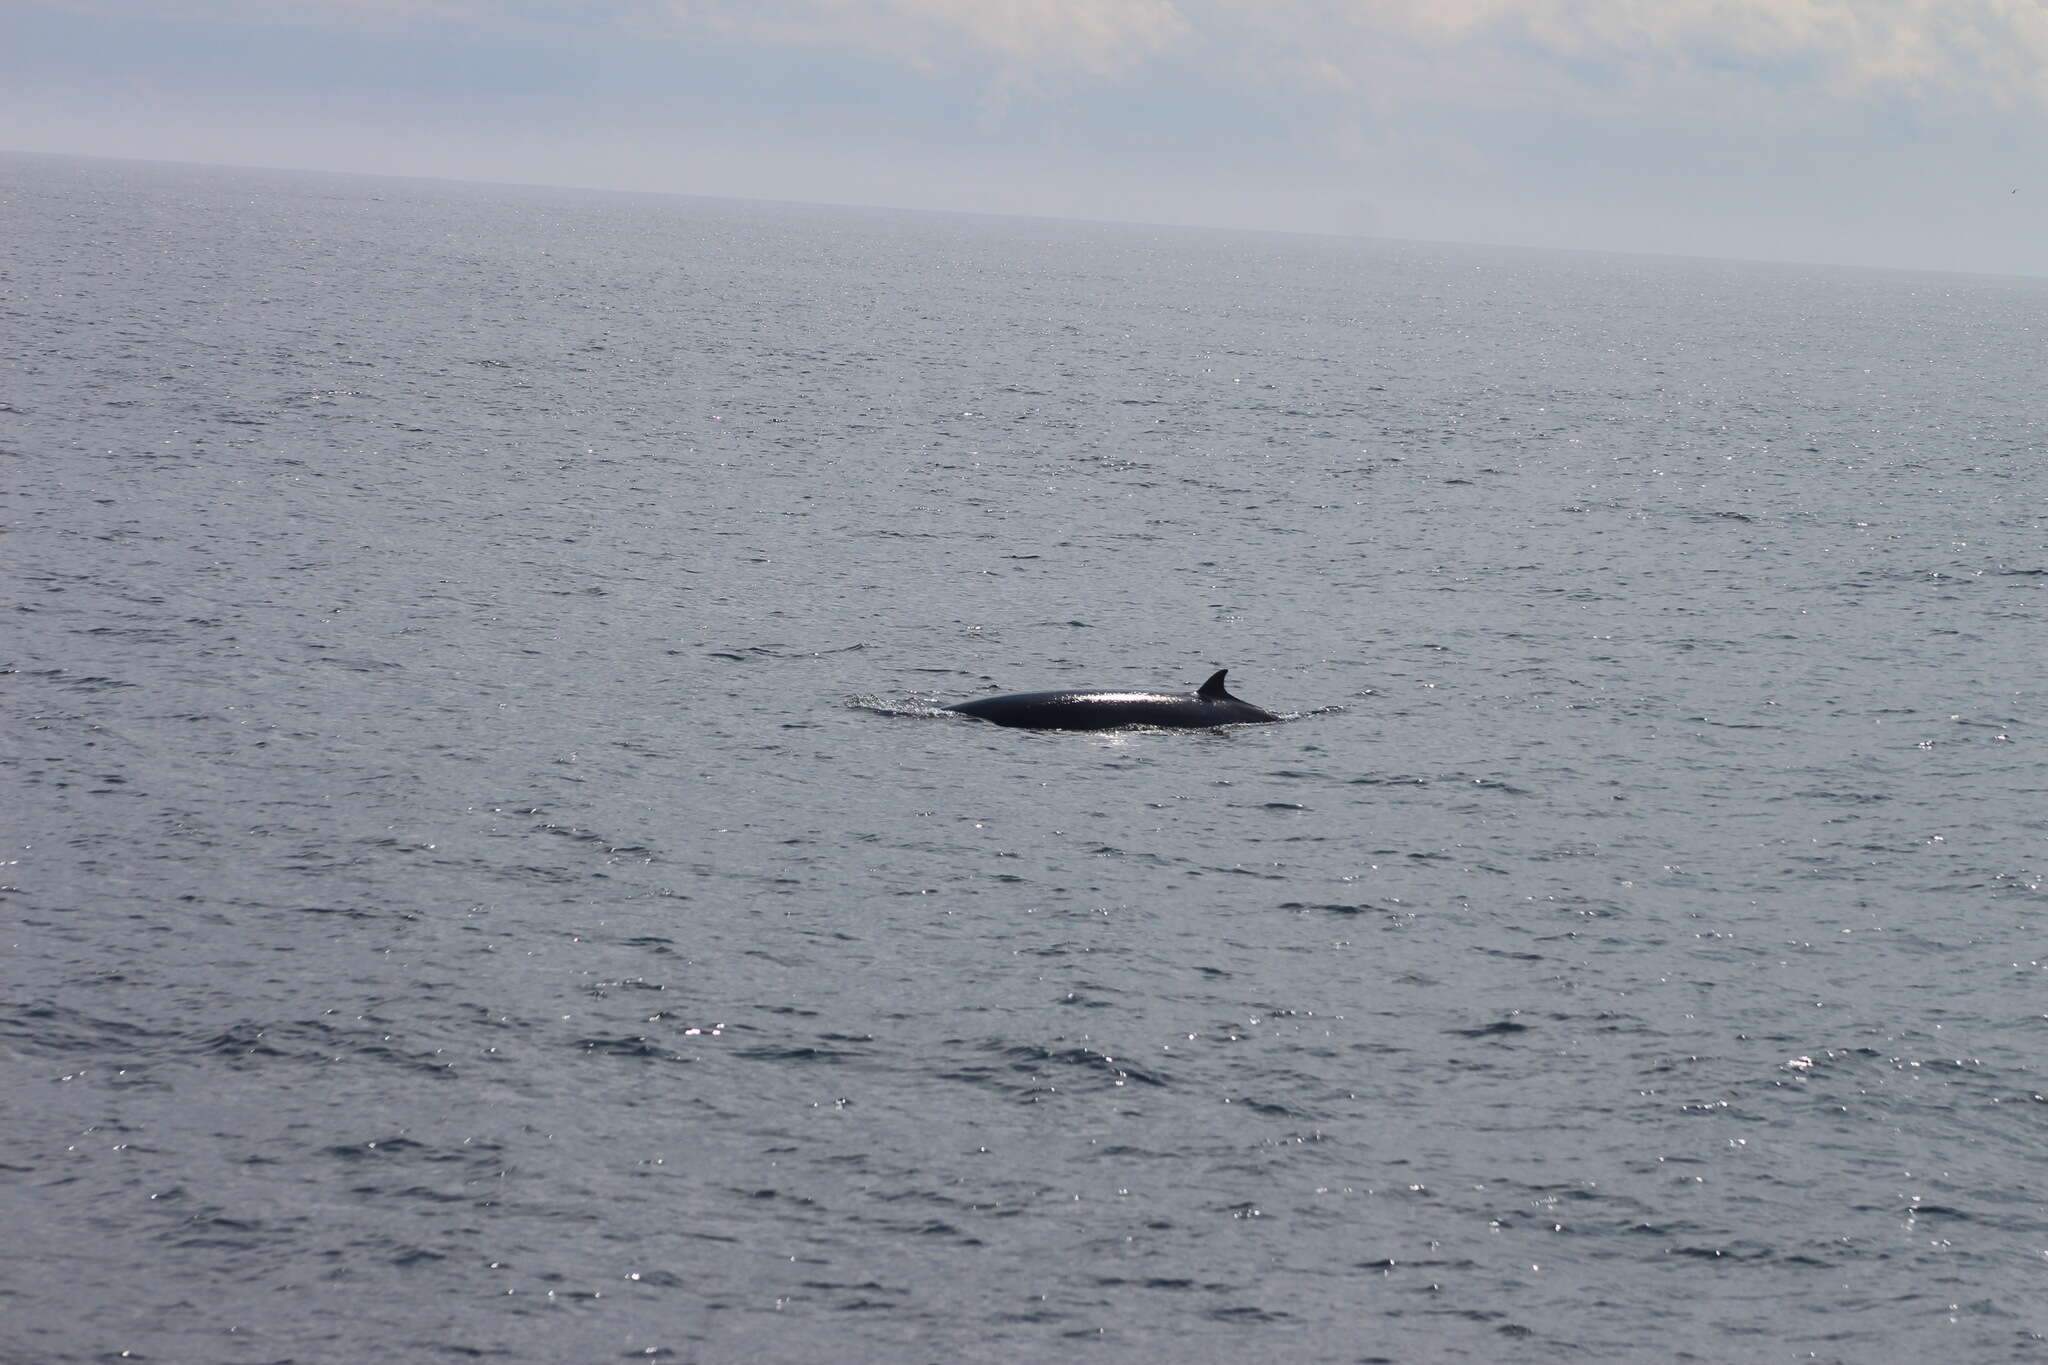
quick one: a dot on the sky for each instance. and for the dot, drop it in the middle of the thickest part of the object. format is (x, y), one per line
(1865, 132)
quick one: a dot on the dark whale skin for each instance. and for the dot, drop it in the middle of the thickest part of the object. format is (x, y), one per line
(1103, 710)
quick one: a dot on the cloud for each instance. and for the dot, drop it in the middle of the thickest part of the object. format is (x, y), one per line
(1993, 51)
(1035, 39)
(1849, 46)
(1917, 49)
(364, 13)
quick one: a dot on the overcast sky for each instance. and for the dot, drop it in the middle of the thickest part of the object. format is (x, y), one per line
(1882, 132)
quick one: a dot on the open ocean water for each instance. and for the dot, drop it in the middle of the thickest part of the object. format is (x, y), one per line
(485, 877)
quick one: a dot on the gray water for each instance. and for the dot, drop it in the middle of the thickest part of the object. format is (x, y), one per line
(487, 877)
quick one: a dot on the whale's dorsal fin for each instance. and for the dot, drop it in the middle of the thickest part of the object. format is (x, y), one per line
(1212, 690)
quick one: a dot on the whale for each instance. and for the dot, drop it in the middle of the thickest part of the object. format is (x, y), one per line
(1210, 704)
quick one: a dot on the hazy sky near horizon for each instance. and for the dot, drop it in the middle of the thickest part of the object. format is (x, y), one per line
(1882, 132)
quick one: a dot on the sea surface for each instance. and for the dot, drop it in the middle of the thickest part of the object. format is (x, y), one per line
(487, 878)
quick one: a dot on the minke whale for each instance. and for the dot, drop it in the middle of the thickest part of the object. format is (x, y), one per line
(1078, 710)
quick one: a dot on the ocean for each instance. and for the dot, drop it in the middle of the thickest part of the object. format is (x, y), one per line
(486, 875)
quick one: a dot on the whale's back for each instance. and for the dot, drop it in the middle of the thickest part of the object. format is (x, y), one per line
(1082, 709)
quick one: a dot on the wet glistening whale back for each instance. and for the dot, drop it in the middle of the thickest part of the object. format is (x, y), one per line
(1082, 710)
